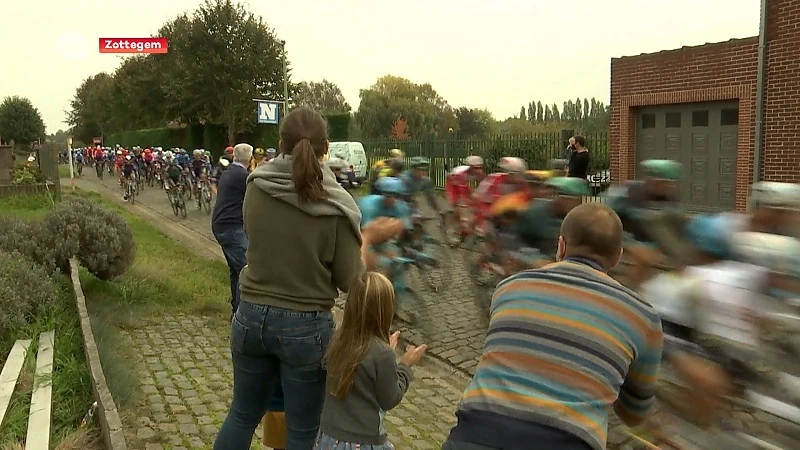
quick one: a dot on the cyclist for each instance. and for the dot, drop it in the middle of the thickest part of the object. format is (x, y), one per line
(173, 172)
(458, 190)
(393, 167)
(222, 164)
(128, 175)
(376, 169)
(98, 155)
(387, 203)
(119, 161)
(78, 157)
(510, 178)
(271, 153)
(258, 158)
(648, 210)
(198, 167)
(417, 181)
(539, 226)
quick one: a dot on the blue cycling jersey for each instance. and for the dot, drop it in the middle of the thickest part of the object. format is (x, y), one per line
(415, 186)
(373, 207)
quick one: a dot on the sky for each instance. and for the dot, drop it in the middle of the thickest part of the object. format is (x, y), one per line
(497, 55)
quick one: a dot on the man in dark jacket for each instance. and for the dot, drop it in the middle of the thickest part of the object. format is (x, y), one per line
(227, 222)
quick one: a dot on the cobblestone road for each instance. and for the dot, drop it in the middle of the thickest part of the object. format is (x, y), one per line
(188, 390)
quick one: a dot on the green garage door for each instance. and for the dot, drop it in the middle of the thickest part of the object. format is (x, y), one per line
(702, 136)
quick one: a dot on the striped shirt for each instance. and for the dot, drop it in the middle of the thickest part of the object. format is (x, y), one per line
(565, 343)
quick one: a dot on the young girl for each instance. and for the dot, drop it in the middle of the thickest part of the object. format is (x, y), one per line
(364, 377)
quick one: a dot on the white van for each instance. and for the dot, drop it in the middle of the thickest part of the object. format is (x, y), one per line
(353, 153)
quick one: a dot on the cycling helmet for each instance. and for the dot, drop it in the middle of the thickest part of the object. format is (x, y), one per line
(568, 186)
(396, 153)
(771, 194)
(709, 232)
(474, 161)
(119, 152)
(538, 176)
(128, 157)
(665, 169)
(224, 162)
(147, 150)
(392, 186)
(397, 164)
(419, 162)
(229, 150)
(168, 154)
(512, 164)
(197, 152)
(259, 153)
(336, 163)
(207, 153)
(271, 151)
(776, 253)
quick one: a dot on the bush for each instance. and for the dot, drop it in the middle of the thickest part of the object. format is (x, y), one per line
(101, 239)
(17, 236)
(28, 291)
(26, 174)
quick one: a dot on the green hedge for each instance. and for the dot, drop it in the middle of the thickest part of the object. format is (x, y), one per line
(338, 126)
(214, 137)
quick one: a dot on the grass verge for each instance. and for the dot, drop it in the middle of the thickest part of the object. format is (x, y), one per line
(72, 390)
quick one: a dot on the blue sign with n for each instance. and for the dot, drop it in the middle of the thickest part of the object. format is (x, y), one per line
(268, 112)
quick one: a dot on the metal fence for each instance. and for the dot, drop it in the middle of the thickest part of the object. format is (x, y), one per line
(537, 149)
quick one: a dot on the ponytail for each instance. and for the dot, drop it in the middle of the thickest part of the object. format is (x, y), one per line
(306, 172)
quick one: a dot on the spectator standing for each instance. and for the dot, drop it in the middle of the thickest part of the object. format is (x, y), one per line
(227, 222)
(564, 344)
(304, 243)
(579, 159)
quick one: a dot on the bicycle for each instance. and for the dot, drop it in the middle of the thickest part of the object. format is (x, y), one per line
(148, 174)
(405, 294)
(187, 185)
(130, 191)
(98, 167)
(203, 194)
(140, 178)
(79, 167)
(176, 200)
(436, 278)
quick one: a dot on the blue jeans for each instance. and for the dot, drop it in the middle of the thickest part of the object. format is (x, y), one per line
(266, 342)
(234, 246)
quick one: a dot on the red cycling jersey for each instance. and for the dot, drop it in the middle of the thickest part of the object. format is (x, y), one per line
(148, 157)
(457, 186)
(98, 154)
(491, 189)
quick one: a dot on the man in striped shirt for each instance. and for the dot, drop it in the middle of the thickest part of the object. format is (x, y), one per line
(565, 344)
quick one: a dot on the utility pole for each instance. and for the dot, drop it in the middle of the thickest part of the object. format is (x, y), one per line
(285, 79)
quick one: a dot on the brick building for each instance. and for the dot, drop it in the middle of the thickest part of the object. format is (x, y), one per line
(699, 105)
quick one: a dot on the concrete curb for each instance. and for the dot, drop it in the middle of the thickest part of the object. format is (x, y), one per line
(107, 413)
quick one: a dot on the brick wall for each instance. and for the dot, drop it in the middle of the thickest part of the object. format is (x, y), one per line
(711, 72)
(781, 161)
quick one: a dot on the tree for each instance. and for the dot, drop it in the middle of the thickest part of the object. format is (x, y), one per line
(521, 113)
(423, 109)
(474, 122)
(323, 96)
(20, 121)
(222, 57)
(539, 112)
(400, 129)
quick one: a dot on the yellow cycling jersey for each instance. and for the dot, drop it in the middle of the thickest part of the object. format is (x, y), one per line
(509, 203)
(385, 172)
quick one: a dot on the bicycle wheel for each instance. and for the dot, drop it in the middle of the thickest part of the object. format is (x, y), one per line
(421, 319)
(438, 278)
(131, 193)
(207, 199)
(183, 209)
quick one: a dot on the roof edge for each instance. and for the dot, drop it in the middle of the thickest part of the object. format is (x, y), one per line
(707, 45)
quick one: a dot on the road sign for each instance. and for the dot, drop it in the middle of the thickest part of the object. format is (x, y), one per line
(267, 112)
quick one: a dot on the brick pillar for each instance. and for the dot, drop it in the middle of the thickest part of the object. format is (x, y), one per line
(781, 155)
